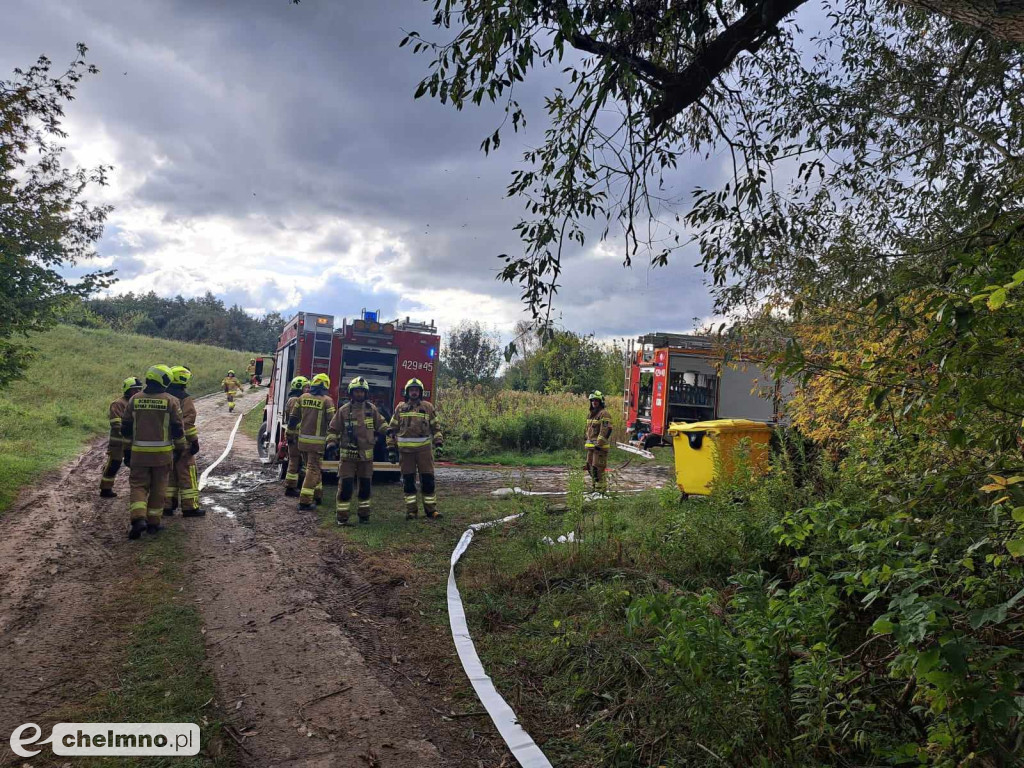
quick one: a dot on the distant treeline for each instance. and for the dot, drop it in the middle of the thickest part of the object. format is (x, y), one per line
(203, 320)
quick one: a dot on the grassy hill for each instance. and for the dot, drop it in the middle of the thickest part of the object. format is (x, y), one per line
(62, 402)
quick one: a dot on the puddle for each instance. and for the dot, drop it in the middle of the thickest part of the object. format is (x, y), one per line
(237, 482)
(212, 506)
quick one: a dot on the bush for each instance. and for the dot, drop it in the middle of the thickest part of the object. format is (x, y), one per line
(480, 420)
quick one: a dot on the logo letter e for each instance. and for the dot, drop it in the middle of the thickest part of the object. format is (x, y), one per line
(18, 741)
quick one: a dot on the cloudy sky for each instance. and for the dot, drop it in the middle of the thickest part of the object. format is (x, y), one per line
(273, 154)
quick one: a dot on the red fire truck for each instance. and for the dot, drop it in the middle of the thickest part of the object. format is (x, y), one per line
(386, 354)
(674, 377)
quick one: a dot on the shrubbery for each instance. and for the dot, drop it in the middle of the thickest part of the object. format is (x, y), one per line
(479, 420)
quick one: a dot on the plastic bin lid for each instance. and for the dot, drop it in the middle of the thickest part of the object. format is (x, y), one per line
(721, 425)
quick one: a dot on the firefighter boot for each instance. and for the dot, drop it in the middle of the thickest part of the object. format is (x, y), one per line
(409, 488)
(197, 512)
(429, 498)
(293, 492)
(138, 526)
(108, 493)
(345, 486)
(364, 499)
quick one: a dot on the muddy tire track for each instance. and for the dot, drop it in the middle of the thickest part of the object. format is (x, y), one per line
(64, 556)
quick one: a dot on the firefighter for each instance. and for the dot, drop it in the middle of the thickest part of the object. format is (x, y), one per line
(154, 435)
(115, 445)
(250, 373)
(307, 425)
(183, 483)
(412, 435)
(353, 431)
(599, 432)
(299, 385)
(231, 386)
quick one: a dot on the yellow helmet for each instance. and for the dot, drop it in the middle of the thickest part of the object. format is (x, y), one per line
(412, 383)
(181, 375)
(321, 380)
(159, 374)
(132, 382)
(358, 383)
(298, 382)
(596, 395)
(231, 373)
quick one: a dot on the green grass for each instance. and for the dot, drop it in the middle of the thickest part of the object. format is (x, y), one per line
(62, 401)
(549, 621)
(163, 676)
(478, 422)
(252, 421)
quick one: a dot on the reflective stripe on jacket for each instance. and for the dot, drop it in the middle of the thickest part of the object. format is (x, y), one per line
(154, 428)
(361, 421)
(413, 426)
(309, 420)
(599, 429)
(116, 414)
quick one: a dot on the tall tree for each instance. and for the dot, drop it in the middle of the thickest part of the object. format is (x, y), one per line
(46, 225)
(865, 128)
(471, 354)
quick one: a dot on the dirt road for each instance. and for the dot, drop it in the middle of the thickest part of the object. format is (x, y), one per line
(320, 657)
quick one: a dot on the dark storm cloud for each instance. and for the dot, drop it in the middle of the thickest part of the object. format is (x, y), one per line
(263, 110)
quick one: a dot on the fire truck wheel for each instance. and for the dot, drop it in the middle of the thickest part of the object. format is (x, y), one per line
(261, 440)
(284, 469)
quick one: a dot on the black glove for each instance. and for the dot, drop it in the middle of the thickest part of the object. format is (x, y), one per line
(194, 448)
(331, 452)
(178, 453)
(393, 455)
(291, 439)
(128, 458)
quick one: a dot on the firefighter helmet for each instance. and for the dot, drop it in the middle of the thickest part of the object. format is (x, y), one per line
(596, 395)
(412, 383)
(358, 382)
(181, 375)
(321, 380)
(231, 373)
(132, 382)
(160, 375)
(299, 382)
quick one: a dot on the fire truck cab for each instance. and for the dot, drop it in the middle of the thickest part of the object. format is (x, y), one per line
(386, 354)
(673, 377)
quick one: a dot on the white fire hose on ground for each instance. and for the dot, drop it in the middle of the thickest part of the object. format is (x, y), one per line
(523, 748)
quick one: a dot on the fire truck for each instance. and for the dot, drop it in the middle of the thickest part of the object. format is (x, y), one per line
(386, 354)
(672, 377)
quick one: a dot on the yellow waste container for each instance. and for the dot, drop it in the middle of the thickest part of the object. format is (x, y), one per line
(696, 447)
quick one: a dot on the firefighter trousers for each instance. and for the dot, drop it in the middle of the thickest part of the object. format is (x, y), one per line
(312, 483)
(146, 499)
(115, 455)
(411, 462)
(291, 478)
(183, 485)
(231, 401)
(351, 472)
(597, 463)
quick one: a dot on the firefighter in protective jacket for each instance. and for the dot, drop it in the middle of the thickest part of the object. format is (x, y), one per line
(115, 445)
(155, 436)
(599, 432)
(412, 435)
(307, 425)
(183, 483)
(299, 385)
(353, 431)
(232, 386)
